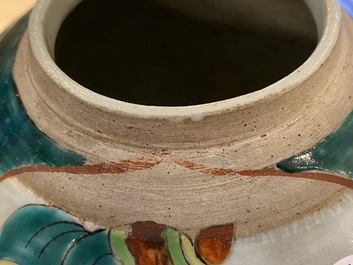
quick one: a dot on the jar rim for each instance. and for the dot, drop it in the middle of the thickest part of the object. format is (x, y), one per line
(327, 19)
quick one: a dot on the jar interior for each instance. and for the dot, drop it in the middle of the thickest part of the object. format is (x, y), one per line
(180, 53)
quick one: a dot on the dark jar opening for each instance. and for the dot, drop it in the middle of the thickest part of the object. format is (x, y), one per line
(154, 52)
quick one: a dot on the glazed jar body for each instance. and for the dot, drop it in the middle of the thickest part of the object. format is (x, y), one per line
(124, 166)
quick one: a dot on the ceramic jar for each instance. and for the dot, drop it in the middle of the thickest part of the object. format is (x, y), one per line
(263, 177)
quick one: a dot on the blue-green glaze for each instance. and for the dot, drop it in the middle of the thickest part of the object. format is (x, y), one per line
(334, 154)
(42, 235)
(21, 142)
(93, 248)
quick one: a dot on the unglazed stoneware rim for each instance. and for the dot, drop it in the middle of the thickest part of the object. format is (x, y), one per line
(327, 18)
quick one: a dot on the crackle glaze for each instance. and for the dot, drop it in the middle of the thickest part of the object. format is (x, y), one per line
(264, 178)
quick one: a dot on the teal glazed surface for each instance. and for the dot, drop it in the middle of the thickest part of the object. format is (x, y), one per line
(334, 154)
(21, 142)
(42, 235)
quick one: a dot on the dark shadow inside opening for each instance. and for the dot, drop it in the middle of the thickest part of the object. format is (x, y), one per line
(139, 52)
